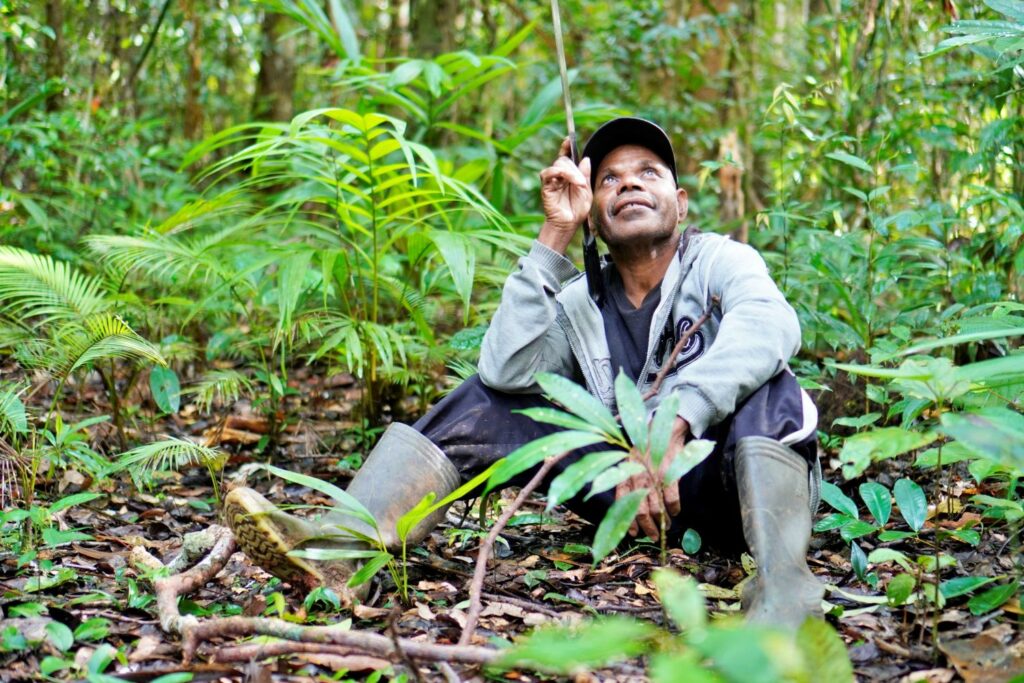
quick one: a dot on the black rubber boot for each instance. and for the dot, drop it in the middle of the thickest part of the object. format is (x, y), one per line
(775, 493)
(403, 467)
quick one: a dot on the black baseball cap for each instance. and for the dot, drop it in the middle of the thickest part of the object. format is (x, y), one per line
(628, 130)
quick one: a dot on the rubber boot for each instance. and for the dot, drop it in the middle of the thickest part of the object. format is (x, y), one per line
(775, 493)
(403, 467)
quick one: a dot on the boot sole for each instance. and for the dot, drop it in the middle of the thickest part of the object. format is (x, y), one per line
(264, 544)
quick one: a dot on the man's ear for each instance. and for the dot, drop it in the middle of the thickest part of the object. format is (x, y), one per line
(684, 203)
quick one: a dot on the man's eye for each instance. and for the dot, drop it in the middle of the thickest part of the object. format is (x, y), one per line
(650, 171)
(607, 180)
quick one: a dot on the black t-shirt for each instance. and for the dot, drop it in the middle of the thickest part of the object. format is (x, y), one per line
(626, 327)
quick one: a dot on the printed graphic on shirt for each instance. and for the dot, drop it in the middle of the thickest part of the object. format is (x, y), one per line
(670, 336)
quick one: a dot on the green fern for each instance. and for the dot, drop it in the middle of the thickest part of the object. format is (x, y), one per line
(34, 286)
(13, 419)
(170, 454)
(102, 337)
(223, 387)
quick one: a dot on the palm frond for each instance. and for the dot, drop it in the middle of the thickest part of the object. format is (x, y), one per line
(222, 387)
(36, 286)
(169, 454)
(12, 466)
(13, 419)
(103, 336)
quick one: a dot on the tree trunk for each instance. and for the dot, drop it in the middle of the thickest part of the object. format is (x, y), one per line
(55, 53)
(193, 109)
(433, 26)
(275, 83)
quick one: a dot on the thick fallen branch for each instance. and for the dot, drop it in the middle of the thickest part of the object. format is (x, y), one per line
(476, 587)
(169, 589)
(324, 640)
(372, 643)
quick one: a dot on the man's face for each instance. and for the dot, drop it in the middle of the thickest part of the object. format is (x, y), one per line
(636, 201)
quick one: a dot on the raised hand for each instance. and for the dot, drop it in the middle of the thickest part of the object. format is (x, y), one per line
(566, 197)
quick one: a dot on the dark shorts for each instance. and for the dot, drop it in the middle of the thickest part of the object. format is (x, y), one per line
(476, 425)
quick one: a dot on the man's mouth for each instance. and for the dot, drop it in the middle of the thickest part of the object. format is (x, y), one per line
(630, 203)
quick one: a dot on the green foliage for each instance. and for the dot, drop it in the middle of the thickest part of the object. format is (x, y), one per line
(702, 651)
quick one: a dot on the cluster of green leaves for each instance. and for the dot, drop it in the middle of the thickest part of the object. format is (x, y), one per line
(712, 651)
(586, 421)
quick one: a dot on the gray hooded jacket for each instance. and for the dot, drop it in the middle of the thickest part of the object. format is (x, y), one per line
(547, 322)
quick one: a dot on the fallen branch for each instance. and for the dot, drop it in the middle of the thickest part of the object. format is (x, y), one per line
(372, 643)
(170, 588)
(678, 348)
(487, 547)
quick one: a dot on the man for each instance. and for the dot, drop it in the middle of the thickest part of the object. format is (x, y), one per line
(758, 487)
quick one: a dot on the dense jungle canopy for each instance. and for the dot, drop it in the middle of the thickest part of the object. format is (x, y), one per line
(243, 232)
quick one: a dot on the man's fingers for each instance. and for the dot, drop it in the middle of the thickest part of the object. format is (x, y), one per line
(564, 172)
(672, 504)
(566, 148)
(650, 512)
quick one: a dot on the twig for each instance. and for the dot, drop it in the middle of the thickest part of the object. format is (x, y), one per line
(406, 659)
(170, 588)
(259, 651)
(487, 547)
(449, 673)
(678, 348)
(372, 643)
(525, 604)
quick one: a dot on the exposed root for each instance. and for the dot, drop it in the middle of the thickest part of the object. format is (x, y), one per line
(371, 643)
(170, 588)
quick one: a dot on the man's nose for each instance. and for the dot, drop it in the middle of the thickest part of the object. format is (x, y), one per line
(630, 182)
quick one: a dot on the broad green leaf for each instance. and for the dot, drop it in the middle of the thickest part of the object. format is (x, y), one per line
(991, 599)
(741, 654)
(53, 537)
(74, 499)
(834, 521)
(166, 389)
(93, 629)
(994, 433)
(694, 453)
(535, 452)
(612, 477)
(880, 555)
(831, 494)
(856, 529)
(559, 418)
(369, 570)
(857, 422)
(860, 450)
(577, 475)
(876, 498)
(631, 412)
(616, 523)
(890, 535)
(176, 677)
(343, 500)
(824, 652)
(577, 401)
(850, 160)
(859, 561)
(682, 600)
(60, 635)
(562, 650)
(691, 541)
(673, 667)
(661, 428)
(962, 585)
(912, 503)
(899, 588)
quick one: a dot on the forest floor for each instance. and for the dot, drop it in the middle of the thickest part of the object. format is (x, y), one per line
(541, 572)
